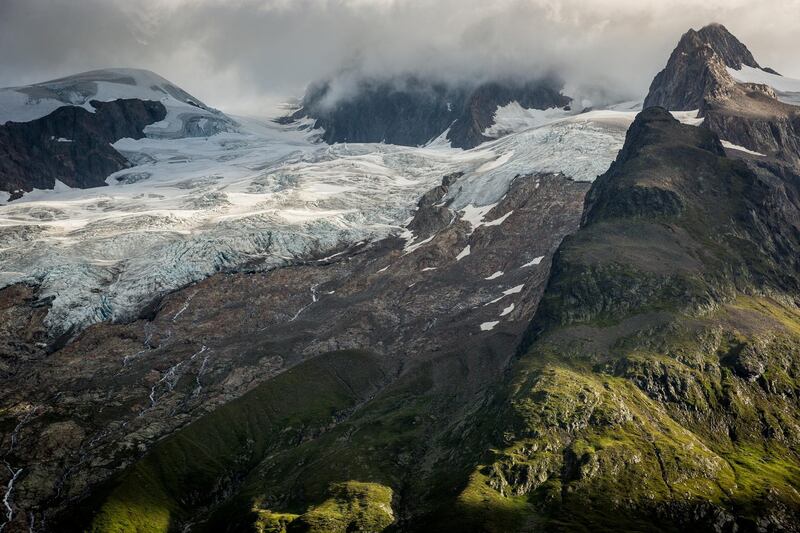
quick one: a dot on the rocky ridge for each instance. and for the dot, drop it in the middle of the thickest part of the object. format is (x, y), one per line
(658, 385)
(71, 145)
(749, 115)
(410, 111)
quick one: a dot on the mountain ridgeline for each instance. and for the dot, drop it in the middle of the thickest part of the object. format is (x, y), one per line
(657, 387)
(412, 111)
(614, 356)
(71, 145)
(699, 76)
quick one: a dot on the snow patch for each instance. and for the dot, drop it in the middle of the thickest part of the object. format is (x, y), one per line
(475, 215)
(463, 253)
(498, 221)
(731, 146)
(507, 310)
(488, 326)
(513, 118)
(535, 261)
(411, 245)
(786, 89)
(691, 118)
(495, 275)
(514, 290)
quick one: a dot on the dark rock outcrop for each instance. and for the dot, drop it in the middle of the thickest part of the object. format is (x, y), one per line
(71, 145)
(754, 119)
(696, 69)
(746, 114)
(479, 110)
(730, 49)
(410, 111)
(665, 350)
(109, 395)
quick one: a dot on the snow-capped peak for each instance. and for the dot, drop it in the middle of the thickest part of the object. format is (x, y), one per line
(187, 116)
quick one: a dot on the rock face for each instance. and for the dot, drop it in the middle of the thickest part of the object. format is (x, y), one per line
(655, 383)
(410, 111)
(71, 145)
(647, 393)
(362, 362)
(696, 69)
(745, 114)
(61, 129)
(754, 119)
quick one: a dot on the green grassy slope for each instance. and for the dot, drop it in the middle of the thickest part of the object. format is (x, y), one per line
(659, 388)
(201, 464)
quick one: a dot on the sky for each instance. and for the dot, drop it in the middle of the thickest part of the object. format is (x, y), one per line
(247, 56)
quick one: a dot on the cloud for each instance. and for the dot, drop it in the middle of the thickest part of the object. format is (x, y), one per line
(246, 55)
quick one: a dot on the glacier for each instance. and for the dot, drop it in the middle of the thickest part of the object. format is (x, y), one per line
(259, 196)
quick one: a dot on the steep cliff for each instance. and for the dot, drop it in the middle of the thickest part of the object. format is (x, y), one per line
(659, 387)
(698, 76)
(71, 145)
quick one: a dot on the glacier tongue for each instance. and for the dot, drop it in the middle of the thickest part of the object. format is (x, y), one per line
(259, 197)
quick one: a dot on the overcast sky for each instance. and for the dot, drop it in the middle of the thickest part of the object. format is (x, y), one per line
(243, 56)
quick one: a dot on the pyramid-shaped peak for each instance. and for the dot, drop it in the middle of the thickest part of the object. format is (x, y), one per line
(730, 49)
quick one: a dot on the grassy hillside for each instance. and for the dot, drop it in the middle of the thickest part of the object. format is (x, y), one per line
(659, 388)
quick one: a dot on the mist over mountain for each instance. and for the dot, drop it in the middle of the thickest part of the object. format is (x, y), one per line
(280, 46)
(470, 279)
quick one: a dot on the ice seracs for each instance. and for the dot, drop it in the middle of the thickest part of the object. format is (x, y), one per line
(264, 194)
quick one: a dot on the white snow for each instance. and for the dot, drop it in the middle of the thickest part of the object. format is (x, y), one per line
(507, 310)
(786, 89)
(513, 118)
(495, 275)
(730, 145)
(692, 118)
(186, 115)
(535, 261)
(508, 292)
(428, 269)
(488, 326)
(263, 194)
(514, 290)
(412, 245)
(474, 215)
(498, 221)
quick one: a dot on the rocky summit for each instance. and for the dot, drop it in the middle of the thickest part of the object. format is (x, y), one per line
(713, 72)
(410, 307)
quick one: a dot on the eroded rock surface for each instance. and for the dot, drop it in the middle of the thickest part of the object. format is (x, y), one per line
(71, 145)
(424, 305)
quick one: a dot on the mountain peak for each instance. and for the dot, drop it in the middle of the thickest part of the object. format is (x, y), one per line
(697, 68)
(730, 49)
